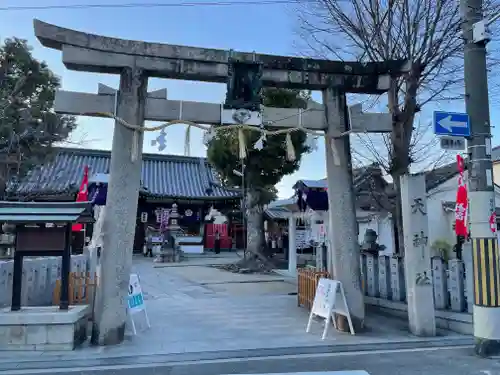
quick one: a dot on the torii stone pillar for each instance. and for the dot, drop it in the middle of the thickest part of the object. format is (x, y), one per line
(292, 246)
(343, 262)
(121, 209)
(135, 61)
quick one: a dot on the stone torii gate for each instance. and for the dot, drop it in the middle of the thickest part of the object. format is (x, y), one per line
(159, 108)
(136, 61)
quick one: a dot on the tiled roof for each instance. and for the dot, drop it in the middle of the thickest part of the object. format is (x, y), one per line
(495, 154)
(369, 185)
(277, 213)
(162, 175)
(313, 184)
(358, 176)
(437, 176)
(383, 195)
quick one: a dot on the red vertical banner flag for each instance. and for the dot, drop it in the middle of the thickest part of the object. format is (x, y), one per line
(493, 222)
(83, 195)
(462, 201)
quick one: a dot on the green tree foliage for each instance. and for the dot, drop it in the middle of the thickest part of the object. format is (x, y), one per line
(263, 169)
(28, 125)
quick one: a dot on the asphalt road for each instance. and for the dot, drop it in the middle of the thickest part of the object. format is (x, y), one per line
(456, 361)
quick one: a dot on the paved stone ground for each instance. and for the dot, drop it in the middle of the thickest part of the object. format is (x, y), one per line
(195, 309)
(454, 361)
(199, 309)
(204, 259)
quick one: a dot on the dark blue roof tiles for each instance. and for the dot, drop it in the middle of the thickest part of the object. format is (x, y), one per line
(162, 175)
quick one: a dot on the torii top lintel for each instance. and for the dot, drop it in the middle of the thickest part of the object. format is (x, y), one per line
(204, 64)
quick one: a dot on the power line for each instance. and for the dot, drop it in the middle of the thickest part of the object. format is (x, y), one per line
(150, 5)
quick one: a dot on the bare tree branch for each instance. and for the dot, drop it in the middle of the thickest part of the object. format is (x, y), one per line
(426, 32)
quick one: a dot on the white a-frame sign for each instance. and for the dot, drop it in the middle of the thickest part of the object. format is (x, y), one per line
(328, 301)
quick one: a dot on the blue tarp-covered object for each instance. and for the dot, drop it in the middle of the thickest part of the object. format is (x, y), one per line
(97, 194)
(316, 200)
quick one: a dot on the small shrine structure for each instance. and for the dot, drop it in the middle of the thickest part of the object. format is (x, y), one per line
(43, 229)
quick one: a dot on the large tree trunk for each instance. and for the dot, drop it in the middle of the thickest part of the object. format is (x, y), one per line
(4, 175)
(400, 167)
(255, 233)
(398, 213)
(401, 135)
(255, 224)
(3, 188)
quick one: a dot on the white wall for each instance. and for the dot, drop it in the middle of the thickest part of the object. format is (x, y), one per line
(379, 223)
(441, 222)
(496, 172)
(382, 224)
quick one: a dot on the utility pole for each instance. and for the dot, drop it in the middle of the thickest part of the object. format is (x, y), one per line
(485, 254)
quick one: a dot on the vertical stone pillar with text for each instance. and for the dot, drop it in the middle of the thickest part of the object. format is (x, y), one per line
(417, 261)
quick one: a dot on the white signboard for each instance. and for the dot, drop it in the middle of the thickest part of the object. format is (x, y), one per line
(328, 301)
(135, 301)
(300, 238)
(321, 233)
(452, 143)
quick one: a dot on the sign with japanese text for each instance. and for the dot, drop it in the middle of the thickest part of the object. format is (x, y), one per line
(329, 301)
(452, 143)
(135, 296)
(417, 256)
(135, 301)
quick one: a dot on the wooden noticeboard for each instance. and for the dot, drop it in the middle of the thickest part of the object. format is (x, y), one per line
(40, 238)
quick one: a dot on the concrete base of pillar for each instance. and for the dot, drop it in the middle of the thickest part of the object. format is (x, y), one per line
(113, 336)
(43, 328)
(343, 326)
(486, 348)
(486, 330)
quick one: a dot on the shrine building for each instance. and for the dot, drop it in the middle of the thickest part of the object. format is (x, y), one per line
(189, 182)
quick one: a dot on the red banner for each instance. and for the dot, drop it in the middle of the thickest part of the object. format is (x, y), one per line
(83, 195)
(461, 204)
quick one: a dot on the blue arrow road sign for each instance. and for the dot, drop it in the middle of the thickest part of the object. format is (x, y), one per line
(449, 123)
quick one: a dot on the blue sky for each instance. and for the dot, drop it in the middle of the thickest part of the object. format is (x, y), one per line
(261, 28)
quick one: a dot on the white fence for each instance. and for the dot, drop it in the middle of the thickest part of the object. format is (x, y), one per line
(39, 278)
(383, 277)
